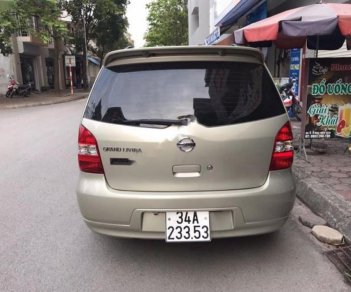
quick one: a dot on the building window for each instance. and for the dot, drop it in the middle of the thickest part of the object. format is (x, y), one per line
(195, 17)
(33, 22)
(36, 23)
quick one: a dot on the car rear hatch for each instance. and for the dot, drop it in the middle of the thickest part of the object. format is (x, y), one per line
(171, 121)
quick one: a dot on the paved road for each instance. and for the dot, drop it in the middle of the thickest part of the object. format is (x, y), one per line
(45, 246)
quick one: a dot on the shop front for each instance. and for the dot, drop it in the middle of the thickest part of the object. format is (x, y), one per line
(27, 69)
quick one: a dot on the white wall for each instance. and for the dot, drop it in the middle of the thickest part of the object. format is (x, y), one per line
(222, 8)
(6, 68)
(341, 53)
(203, 15)
(199, 21)
(93, 71)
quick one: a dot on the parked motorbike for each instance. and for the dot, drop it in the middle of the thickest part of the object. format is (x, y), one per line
(11, 87)
(14, 88)
(25, 89)
(290, 100)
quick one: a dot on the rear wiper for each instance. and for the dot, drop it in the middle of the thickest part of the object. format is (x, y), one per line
(189, 118)
(162, 122)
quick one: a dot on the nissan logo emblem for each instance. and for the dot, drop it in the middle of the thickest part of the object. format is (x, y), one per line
(186, 145)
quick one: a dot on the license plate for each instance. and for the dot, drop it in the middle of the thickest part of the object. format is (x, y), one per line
(187, 226)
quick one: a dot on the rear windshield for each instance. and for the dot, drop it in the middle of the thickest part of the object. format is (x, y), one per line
(212, 93)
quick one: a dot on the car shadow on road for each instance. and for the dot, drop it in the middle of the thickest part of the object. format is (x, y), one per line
(224, 251)
(277, 260)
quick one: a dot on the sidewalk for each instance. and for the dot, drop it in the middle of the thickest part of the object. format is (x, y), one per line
(324, 181)
(44, 98)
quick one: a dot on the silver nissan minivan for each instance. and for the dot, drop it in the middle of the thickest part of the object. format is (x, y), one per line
(185, 144)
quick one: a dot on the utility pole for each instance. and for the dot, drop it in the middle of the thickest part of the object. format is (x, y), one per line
(85, 53)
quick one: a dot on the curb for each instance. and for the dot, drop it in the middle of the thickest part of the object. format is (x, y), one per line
(324, 201)
(44, 102)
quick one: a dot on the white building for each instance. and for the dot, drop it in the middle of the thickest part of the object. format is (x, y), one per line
(31, 61)
(202, 18)
(7, 67)
(214, 21)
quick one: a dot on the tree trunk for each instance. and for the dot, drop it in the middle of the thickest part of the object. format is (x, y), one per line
(101, 55)
(85, 69)
(56, 64)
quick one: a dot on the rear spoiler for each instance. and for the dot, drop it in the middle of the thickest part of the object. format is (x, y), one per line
(190, 51)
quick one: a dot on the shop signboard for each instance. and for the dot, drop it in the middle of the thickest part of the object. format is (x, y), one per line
(215, 35)
(329, 99)
(70, 61)
(294, 72)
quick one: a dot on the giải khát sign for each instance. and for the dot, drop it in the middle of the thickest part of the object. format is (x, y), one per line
(329, 100)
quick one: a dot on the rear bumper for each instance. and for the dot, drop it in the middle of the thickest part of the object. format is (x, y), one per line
(142, 214)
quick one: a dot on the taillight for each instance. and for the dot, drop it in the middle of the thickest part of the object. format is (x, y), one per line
(283, 152)
(88, 152)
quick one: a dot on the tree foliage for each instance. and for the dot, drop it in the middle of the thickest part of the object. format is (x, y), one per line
(101, 21)
(20, 15)
(105, 23)
(6, 30)
(99, 26)
(39, 18)
(168, 23)
(110, 31)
